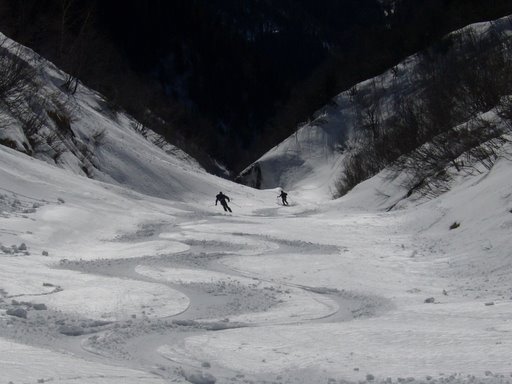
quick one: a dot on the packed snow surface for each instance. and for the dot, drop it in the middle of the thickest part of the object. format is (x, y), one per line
(101, 284)
(138, 277)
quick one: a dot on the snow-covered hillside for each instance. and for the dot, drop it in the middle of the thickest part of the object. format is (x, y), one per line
(101, 284)
(97, 142)
(135, 276)
(312, 158)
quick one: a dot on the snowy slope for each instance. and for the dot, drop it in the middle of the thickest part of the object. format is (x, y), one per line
(101, 144)
(137, 277)
(310, 160)
(137, 288)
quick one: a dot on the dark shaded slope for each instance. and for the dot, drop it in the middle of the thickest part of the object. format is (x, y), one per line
(231, 78)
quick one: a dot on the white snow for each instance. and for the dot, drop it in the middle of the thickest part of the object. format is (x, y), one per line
(327, 290)
(161, 285)
(294, 304)
(22, 363)
(310, 161)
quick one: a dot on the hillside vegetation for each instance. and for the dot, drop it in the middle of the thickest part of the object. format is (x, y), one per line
(455, 119)
(441, 112)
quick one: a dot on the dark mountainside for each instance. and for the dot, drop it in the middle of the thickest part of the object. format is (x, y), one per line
(230, 79)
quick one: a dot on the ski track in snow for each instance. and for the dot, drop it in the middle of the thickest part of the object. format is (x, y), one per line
(136, 277)
(101, 284)
(254, 306)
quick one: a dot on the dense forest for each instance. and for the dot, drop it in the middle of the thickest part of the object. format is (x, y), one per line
(228, 79)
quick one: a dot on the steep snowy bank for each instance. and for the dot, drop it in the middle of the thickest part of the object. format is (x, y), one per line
(79, 132)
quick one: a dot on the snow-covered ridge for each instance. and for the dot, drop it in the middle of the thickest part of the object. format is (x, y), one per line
(77, 131)
(312, 158)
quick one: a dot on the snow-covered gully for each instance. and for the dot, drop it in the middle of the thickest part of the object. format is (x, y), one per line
(132, 275)
(309, 294)
(102, 284)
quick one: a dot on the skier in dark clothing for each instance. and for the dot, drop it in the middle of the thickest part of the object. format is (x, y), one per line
(283, 197)
(222, 198)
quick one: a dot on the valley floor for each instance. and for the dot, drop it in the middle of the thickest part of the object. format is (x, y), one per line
(104, 285)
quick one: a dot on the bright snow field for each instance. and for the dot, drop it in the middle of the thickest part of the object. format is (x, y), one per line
(101, 284)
